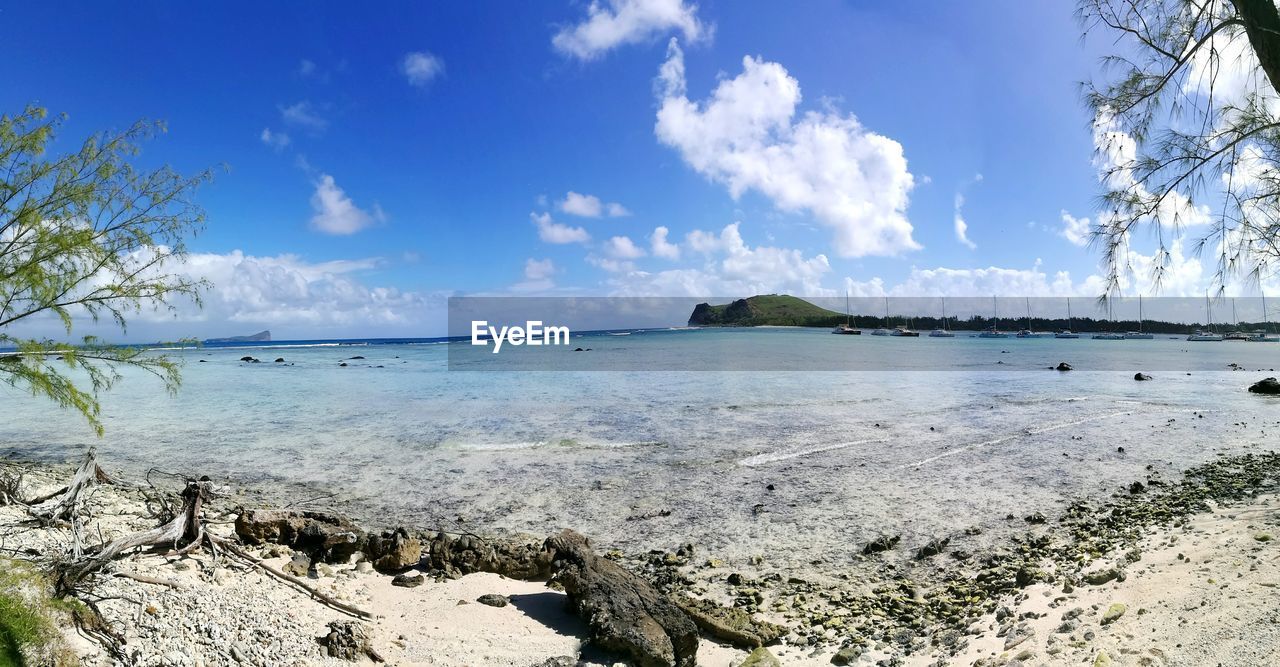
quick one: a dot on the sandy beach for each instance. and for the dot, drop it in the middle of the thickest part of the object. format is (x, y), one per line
(1194, 585)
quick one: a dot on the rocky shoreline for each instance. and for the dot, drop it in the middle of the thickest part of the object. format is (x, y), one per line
(1034, 598)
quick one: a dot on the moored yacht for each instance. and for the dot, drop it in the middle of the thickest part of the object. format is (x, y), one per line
(1262, 336)
(1068, 333)
(883, 330)
(847, 329)
(1027, 332)
(944, 332)
(1206, 334)
(902, 330)
(1108, 335)
(994, 331)
(1139, 335)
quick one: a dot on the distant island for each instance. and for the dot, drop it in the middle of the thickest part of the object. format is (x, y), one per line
(260, 337)
(782, 310)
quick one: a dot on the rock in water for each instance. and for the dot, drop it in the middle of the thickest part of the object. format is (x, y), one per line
(394, 551)
(625, 613)
(1267, 386)
(761, 657)
(325, 537)
(348, 640)
(1064, 366)
(882, 543)
(1141, 377)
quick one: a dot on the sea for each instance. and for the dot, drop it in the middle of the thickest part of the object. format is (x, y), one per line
(789, 443)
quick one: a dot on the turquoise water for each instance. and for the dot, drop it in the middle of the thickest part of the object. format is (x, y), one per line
(953, 433)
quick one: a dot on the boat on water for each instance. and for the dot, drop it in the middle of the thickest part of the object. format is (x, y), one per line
(1069, 331)
(1206, 334)
(883, 330)
(1028, 332)
(847, 329)
(1263, 336)
(994, 331)
(1108, 335)
(1139, 334)
(1237, 334)
(944, 332)
(902, 330)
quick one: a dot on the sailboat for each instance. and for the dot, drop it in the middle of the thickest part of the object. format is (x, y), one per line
(1139, 334)
(1027, 332)
(1108, 335)
(883, 330)
(847, 328)
(1263, 336)
(995, 319)
(1206, 335)
(1069, 331)
(944, 332)
(1237, 334)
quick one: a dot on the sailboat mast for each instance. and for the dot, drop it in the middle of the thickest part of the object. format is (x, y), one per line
(1028, 312)
(848, 314)
(1266, 325)
(1139, 313)
(1071, 324)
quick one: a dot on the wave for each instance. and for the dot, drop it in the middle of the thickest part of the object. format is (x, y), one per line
(774, 457)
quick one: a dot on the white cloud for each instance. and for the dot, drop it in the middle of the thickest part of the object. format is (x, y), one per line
(747, 136)
(276, 140)
(551, 231)
(306, 67)
(622, 247)
(660, 247)
(1076, 230)
(335, 212)
(590, 206)
(962, 227)
(730, 267)
(612, 23)
(538, 269)
(303, 114)
(421, 67)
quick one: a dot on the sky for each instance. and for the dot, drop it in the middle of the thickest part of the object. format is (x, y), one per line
(375, 159)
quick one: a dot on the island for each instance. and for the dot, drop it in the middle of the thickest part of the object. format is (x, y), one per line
(260, 337)
(765, 310)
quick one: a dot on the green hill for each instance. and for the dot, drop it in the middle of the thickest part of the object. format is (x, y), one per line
(765, 310)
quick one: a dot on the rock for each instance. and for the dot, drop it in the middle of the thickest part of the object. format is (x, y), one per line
(342, 365)
(1103, 660)
(1267, 386)
(393, 551)
(624, 612)
(357, 357)
(1101, 577)
(730, 624)
(1063, 366)
(279, 360)
(846, 655)
(1137, 487)
(246, 358)
(1035, 518)
(882, 543)
(1141, 377)
(761, 657)
(558, 661)
(325, 537)
(299, 566)
(348, 640)
(364, 567)
(1113, 613)
(1263, 537)
(933, 548)
(408, 581)
(493, 600)
(516, 556)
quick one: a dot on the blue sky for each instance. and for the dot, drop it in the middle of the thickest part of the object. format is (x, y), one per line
(380, 158)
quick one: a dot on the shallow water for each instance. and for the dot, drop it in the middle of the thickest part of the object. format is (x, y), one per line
(945, 438)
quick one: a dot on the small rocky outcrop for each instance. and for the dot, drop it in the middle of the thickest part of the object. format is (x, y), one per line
(1267, 386)
(394, 551)
(730, 624)
(882, 543)
(493, 600)
(761, 657)
(324, 537)
(625, 613)
(348, 640)
(1141, 377)
(1063, 366)
(517, 556)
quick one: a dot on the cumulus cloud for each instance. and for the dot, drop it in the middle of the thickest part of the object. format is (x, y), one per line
(1076, 230)
(303, 114)
(622, 247)
(590, 206)
(421, 68)
(962, 227)
(730, 266)
(335, 212)
(612, 23)
(278, 141)
(537, 276)
(551, 231)
(748, 136)
(661, 247)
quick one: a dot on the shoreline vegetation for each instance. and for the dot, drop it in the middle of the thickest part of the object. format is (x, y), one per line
(785, 310)
(301, 585)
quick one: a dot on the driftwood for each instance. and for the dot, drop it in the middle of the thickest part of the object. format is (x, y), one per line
(64, 505)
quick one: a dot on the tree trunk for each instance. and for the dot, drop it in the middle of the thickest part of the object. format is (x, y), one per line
(1262, 25)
